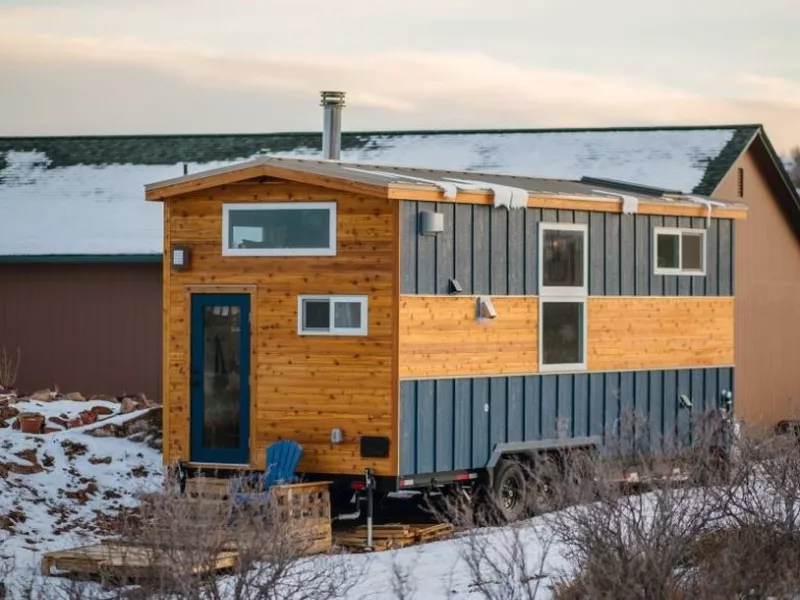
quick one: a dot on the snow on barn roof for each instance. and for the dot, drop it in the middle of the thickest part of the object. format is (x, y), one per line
(85, 195)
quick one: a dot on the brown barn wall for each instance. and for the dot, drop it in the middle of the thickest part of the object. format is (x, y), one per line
(767, 313)
(93, 328)
(301, 386)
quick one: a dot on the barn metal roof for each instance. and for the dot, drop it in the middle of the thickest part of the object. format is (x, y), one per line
(83, 195)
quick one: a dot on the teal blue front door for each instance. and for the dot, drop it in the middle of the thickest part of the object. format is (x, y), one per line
(219, 379)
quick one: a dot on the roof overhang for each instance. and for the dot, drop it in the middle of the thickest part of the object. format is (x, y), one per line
(254, 169)
(778, 177)
(606, 200)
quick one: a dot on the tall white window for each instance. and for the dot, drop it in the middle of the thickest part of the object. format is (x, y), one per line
(563, 288)
(279, 229)
(332, 315)
(679, 251)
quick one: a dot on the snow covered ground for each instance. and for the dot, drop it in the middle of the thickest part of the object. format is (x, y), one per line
(59, 490)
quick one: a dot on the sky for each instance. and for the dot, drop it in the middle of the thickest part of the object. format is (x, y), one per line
(234, 66)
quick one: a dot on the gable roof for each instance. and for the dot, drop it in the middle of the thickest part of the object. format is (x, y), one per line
(84, 195)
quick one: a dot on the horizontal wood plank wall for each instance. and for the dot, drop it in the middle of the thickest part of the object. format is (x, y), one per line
(439, 336)
(649, 333)
(305, 385)
(454, 423)
(495, 251)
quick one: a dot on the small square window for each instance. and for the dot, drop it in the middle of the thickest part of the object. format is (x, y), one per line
(332, 315)
(562, 330)
(680, 251)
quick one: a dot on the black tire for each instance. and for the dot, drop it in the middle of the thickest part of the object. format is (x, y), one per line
(509, 490)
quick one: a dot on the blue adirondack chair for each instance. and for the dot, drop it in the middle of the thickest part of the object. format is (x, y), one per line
(282, 460)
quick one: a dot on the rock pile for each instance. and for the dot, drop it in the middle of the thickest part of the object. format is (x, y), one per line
(16, 411)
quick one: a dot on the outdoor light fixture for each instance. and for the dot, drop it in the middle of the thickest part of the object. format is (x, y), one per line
(431, 223)
(455, 287)
(179, 257)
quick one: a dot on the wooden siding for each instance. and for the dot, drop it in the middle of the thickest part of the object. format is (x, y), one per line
(767, 313)
(450, 424)
(439, 336)
(495, 251)
(302, 387)
(650, 333)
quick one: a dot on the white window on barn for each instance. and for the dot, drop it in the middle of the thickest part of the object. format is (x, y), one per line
(680, 251)
(563, 288)
(279, 229)
(332, 315)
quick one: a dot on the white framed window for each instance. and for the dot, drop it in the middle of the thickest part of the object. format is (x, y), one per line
(562, 333)
(331, 315)
(279, 229)
(563, 289)
(563, 259)
(679, 251)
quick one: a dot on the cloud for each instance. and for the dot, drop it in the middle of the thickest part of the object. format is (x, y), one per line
(88, 85)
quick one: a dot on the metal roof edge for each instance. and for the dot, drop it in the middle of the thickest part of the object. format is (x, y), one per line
(80, 258)
(391, 132)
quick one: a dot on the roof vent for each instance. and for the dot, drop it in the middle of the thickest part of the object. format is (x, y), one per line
(332, 103)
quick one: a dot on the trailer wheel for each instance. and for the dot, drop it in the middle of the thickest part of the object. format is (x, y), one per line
(509, 491)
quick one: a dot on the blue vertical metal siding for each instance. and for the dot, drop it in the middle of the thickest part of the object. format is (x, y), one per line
(450, 424)
(495, 251)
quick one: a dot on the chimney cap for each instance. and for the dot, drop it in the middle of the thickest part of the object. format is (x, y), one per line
(332, 98)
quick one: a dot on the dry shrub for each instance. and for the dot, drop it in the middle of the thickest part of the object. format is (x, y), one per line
(505, 562)
(168, 543)
(9, 368)
(624, 543)
(757, 553)
(731, 530)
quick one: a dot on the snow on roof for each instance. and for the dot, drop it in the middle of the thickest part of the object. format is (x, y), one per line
(79, 210)
(63, 208)
(673, 159)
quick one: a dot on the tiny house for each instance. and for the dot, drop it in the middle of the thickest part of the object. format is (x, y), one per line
(429, 325)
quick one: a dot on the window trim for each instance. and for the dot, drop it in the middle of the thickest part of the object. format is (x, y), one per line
(679, 231)
(574, 292)
(228, 207)
(565, 367)
(363, 300)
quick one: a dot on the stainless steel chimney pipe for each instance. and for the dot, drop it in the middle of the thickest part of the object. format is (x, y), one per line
(332, 102)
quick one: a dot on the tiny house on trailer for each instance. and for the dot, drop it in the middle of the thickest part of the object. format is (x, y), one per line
(429, 325)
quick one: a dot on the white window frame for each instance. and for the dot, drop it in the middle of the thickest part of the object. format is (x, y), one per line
(227, 208)
(575, 295)
(579, 366)
(332, 329)
(679, 231)
(569, 290)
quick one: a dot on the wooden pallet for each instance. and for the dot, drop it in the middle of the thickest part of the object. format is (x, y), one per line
(119, 560)
(392, 535)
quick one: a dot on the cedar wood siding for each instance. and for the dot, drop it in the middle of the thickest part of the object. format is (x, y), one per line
(767, 310)
(301, 386)
(465, 386)
(92, 328)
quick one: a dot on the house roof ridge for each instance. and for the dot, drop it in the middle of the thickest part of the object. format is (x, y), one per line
(386, 132)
